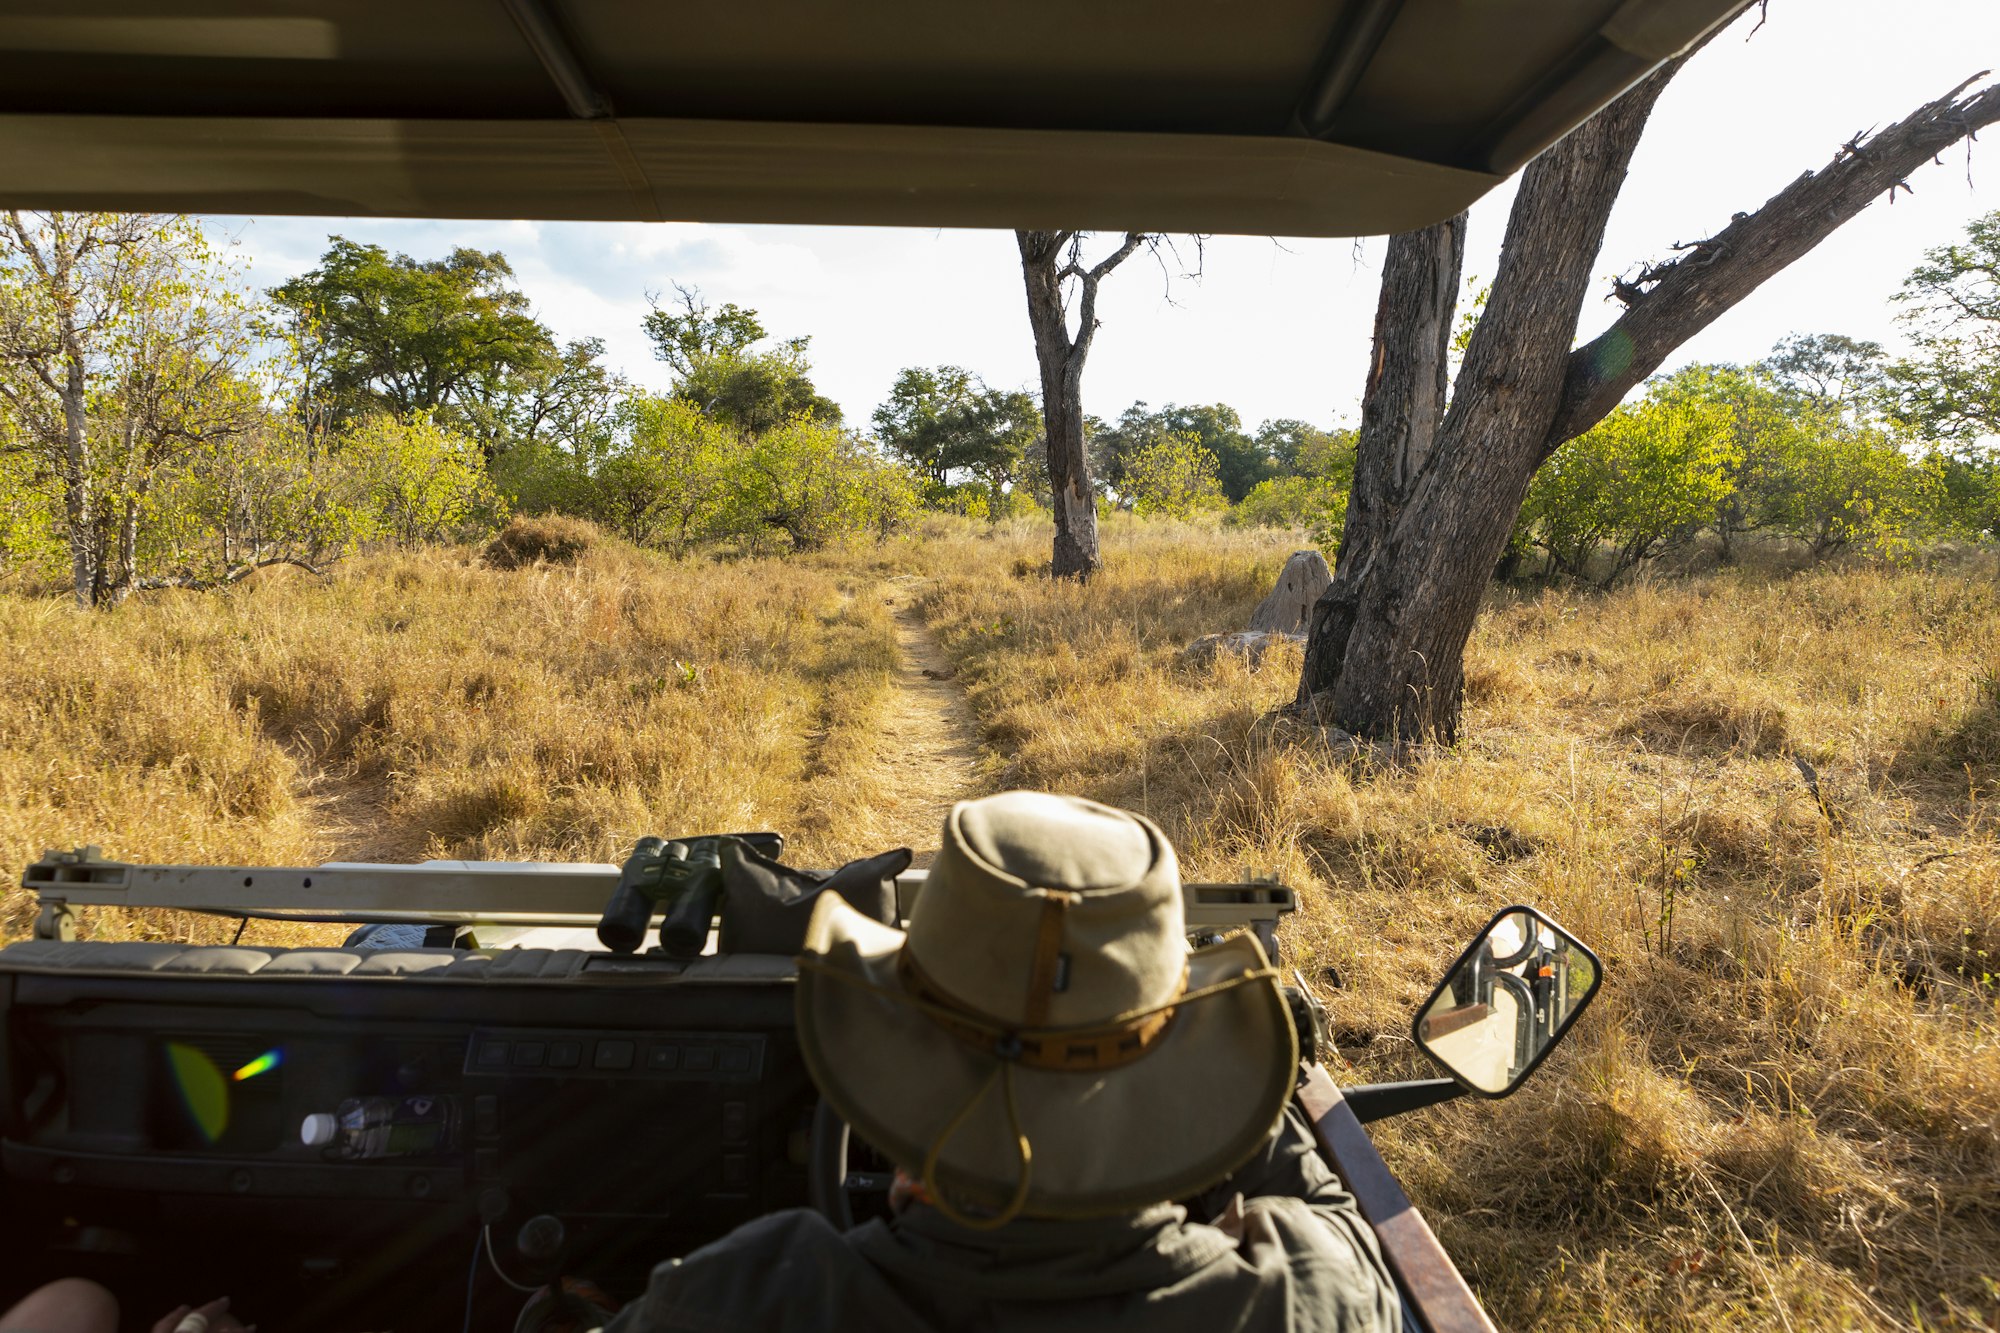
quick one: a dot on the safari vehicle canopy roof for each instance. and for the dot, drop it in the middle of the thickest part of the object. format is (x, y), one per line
(1292, 117)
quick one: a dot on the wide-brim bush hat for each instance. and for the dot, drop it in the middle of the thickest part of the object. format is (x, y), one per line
(1043, 1040)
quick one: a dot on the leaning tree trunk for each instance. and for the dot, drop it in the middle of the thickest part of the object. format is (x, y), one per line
(1438, 491)
(1431, 517)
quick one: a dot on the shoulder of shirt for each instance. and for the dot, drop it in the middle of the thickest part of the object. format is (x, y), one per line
(1300, 1226)
(749, 1279)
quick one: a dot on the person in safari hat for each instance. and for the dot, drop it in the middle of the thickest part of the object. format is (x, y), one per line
(1061, 1083)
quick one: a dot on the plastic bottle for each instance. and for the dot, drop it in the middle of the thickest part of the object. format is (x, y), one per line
(365, 1127)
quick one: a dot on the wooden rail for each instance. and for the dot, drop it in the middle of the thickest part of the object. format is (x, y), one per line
(1432, 1285)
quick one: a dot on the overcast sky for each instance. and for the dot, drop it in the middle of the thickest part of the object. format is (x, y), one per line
(1279, 328)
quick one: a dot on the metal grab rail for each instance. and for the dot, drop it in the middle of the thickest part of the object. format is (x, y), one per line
(502, 893)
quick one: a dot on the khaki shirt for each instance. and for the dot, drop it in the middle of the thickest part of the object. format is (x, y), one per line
(1287, 1253)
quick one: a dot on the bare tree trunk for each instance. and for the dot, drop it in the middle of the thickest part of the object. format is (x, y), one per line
(1669, 303)
(1400, 411)
(1073, 497)
(79, 507)
(1384, 657)
(124, 572)
(1048, 260)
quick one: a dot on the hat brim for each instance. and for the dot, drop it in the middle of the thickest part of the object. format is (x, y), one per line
(1165, 1126)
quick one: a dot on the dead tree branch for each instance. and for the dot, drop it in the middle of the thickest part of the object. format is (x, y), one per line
(233, 576)
(1669, 303)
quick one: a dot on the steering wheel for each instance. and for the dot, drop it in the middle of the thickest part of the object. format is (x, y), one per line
(830, 1186)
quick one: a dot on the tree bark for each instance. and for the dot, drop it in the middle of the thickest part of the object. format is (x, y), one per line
(1048, 260)
(1401, 407)
(1074, 499)
(79, 509)
(1384, 658)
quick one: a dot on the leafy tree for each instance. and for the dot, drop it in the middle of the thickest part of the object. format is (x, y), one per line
(1830, 370)
(1817, 463)
(68, 282)
(1291, 444)
(1766, 423)
(124, 352)
(1964, 492)
(1845, 484)
(184, 399)
(1949, 388)
(1109, 445)
(1173, 477)
(564, 398)
(760, 391)
(691, 334)
(559, 420)
(269, 497)
(943, 422)
(540, 478)
(1241, 460)
(716, 369)
(976, 499)
(1311, 492)
(1291, 501)
(672, 481)
(31, 510)
(409, 337)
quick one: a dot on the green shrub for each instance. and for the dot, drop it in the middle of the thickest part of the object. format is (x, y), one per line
(424, 483)
(1648, 476)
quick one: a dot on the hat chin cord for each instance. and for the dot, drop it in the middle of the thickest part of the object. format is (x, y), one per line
(1004, 1046)
(1004, 1072)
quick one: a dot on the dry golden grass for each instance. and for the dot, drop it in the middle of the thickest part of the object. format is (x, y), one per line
(427, 705)
(1784, 1111)
(552, 539)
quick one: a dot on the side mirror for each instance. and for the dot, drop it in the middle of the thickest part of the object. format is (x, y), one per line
(1507, 1001)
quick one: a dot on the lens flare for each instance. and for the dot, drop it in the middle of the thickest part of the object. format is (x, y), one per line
(263, 1064)
(1614, 358)
(203, 1089)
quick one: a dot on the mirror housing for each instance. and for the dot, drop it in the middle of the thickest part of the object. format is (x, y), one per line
(1506, 1001)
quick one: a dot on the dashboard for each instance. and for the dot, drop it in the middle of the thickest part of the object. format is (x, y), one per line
(150, 1125)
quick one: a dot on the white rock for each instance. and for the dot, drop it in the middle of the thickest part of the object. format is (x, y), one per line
(1289, 607)
(1249, 644)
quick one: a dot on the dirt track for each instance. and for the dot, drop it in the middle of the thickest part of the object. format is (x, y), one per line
(936, 758)
(933, 760)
